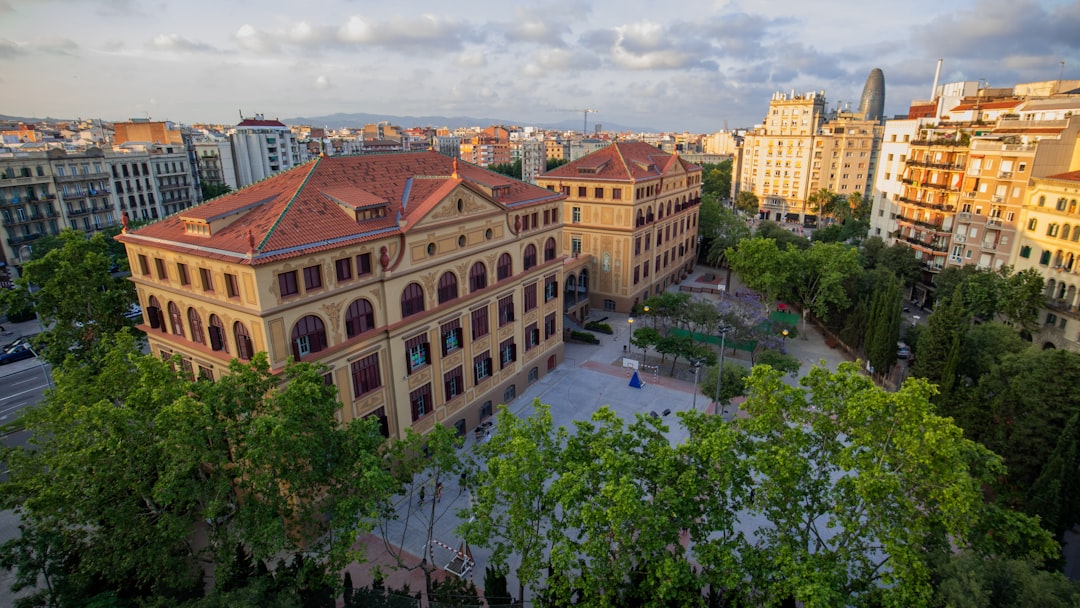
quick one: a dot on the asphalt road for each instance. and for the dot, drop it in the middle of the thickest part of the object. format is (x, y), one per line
(21, 388)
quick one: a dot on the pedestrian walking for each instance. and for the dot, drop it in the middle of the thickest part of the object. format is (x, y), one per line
(462, 480)
(438, 492)
(422, 492)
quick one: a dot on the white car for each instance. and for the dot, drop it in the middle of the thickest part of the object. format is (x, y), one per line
(134, 313)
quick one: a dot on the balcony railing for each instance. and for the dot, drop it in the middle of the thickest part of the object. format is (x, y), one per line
(1004, 174)
(989, 245)
(963, 216)
(997, 198)
(959, 238)
(925, 205)
(995, 222)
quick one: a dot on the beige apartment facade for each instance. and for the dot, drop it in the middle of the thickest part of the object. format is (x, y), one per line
(426, 288)
(1050, 243)
(634, 210)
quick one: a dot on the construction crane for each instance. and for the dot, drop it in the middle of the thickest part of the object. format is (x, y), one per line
(585, 123)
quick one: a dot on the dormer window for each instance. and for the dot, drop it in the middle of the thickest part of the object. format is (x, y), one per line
(197, 228)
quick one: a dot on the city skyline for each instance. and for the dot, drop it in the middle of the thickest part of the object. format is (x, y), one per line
(712, 65)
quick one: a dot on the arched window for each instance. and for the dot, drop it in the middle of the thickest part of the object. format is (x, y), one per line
(530, 257)
(640, 218)
(308, 336)
(195, 325)
(359, 318)
(477, 277)
(549, 250)
(447, 287)
(649, 215)
(669, 207)
(156, 315)
(412, 300)
(660, 212)
(505, 267)
(176, 319)
(217, 335)
(1065, 232)
(244, 350)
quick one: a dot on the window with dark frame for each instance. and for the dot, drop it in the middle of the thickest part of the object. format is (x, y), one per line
(144, 265)
(207, 279)
(244, 349)
(529, 259)
(159, 266)
(477, 277)
(232, 286)
(365, 375)
(287, 284)
(530, 296)
(363, 264)
(308, 336)
(217, 335)
(505, 267)
(343, 269)
(479, 322)
(412, 300)
(452, 337)
(453, 383)
(448, 287)
(482, 367)
(420, 402)
(359, 317)
(195, 326)
(549, 250)
(176, 319)
(551, 288)
(417, 352)
(181, 271)
(549, 326)
(506, 310)
(507, 353)
(532, 336)
(312, 277)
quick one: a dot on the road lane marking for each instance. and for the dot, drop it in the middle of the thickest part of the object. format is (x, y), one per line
(22, 393)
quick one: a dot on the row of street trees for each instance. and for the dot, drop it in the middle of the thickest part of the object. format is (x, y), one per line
(835, 493)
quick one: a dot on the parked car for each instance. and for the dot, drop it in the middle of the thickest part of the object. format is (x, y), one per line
(134, 313)
(16, 353)
(903, 351)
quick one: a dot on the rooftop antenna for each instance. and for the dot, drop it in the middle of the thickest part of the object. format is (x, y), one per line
(1061, 73)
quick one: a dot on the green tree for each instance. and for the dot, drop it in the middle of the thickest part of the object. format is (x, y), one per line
(883, 325)
(816, 278)
(970, 580)
(510, 169)
(901, 260)
(1055, 495)
(555, 162)
(784, 238)
(420, 464)
(728, 232)
(828, 204)
(779, 361)
(732, 383)
(511, 508)
(747, 202)
(130, 458)
(716, 179)
(210, 190)
(78, 299)
(856, 485)
(621, 503)
(760, 265)
(945, 331)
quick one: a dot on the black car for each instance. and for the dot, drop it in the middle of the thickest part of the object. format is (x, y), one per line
(16, 353)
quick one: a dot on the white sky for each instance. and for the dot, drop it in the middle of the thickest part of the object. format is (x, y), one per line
(675, 66)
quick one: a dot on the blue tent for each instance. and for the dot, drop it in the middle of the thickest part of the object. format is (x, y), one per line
(636, 382)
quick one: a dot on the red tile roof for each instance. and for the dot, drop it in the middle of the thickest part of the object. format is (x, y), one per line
(988, 105)
(622, 161)
(1071, 176)
(311, 207)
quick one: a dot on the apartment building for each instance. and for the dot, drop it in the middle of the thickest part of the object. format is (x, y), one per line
(800, 149)
(1049, 242)
(215, 163)
(634, 210)
(152, 181)
(262, 148)
(533, 159)
(28, 203)
(428, 287)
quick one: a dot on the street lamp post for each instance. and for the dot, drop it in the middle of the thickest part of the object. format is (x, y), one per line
(44, 370)
(720, 367)
(646, 309)
(630, 334)
(783, 341)
(697, 368)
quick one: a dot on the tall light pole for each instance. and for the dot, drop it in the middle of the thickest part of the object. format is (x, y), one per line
(44, 370)
(697, 368)
(629, 334)
(783, 341)
(720, 366)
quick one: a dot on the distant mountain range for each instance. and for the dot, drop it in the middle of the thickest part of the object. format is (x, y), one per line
(359, 119)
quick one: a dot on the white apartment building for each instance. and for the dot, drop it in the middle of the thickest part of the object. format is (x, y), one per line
(262, 148)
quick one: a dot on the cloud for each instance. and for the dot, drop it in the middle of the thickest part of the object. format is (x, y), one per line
(471, 58)
(176, 42)
(558, 60)
(424, 32)
(56, 46)
(10, 49)
(254, 39)
(322, 82)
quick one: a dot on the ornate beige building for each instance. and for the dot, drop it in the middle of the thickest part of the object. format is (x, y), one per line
(634, 209)
(429, 289)
(1050, 243)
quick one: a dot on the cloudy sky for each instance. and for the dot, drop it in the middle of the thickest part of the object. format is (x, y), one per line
(691, 65)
